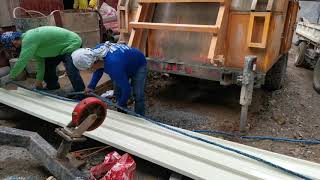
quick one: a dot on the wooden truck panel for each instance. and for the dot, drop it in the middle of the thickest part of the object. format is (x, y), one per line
(186, 47)
(237, 41)
(210, 35)
(245, 5)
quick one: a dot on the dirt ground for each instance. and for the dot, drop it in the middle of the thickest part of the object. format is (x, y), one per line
(194, 104)
(291, 112)
(14, 161)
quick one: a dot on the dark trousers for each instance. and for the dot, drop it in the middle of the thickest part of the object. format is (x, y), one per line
(138, 81)
(50, 75)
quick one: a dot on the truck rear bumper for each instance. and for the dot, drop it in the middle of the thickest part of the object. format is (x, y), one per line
(225, 75)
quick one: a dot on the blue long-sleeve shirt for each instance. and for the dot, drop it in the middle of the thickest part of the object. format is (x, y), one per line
(121, 63)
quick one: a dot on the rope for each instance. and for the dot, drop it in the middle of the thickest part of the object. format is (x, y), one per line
(110, 103)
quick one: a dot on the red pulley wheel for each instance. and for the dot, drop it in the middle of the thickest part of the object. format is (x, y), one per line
(87, 107)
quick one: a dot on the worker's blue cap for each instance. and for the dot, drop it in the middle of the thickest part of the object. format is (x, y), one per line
(8, 37)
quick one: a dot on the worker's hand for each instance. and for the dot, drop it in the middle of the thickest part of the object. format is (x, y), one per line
(4, 80)
(38, 84)
(87, 91)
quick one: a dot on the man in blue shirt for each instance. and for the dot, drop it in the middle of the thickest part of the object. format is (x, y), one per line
(121, 63)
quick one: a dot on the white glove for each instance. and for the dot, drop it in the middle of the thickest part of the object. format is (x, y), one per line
(4, 80)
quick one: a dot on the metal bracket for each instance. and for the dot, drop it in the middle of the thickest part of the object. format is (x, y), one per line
(247, 80)
(73, 134)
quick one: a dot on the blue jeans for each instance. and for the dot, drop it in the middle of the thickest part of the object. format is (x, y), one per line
(138, 81)
(50, 75)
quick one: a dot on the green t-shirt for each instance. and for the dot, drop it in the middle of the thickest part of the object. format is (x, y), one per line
(44, 42)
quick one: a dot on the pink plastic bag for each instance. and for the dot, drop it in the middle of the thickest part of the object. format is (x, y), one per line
(101, 169)
(123, 170)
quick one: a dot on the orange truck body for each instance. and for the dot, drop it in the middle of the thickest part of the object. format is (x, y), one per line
(209, 39)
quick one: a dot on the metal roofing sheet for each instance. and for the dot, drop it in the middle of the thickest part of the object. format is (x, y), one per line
(182, 154)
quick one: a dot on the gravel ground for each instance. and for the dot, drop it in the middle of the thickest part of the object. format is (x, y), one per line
(18, 163)
(291, 112)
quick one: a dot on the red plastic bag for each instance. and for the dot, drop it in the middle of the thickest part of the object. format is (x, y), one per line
(101, 169)
(123, 170)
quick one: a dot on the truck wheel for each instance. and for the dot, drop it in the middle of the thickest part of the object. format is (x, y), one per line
(316, 77)
(275, 76)
(299, 59)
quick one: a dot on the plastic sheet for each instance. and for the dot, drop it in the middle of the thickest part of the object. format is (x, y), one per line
(123, 170)
(114, 167)
(109, 17)
(101, 169)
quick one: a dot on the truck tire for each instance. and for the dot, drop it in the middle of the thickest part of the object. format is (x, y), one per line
(299, 59)
(275, 76)
(316, 77)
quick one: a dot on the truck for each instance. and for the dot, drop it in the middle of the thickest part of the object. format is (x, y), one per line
(308, 54)
(242, 42)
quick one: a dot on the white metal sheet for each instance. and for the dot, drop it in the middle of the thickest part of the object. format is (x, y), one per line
(179, 153)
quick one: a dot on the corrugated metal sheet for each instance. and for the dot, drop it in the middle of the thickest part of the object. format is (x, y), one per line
(181, 154)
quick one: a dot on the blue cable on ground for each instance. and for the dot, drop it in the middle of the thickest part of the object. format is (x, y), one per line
(110, 103)
(228, 134)
(306, 141)
(222, 133)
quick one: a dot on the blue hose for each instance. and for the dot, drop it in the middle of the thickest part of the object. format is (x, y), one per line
(228, 134)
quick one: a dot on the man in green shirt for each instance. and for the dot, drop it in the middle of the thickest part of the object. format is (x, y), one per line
(48, 45)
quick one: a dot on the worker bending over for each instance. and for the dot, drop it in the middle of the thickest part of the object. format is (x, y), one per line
(121, 63)
(48, 45)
